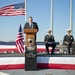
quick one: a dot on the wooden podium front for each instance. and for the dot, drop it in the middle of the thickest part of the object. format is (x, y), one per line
(30, 33)
(30, 55)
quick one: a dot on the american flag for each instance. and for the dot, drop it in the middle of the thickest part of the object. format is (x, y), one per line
(19, 41)
(13, 10)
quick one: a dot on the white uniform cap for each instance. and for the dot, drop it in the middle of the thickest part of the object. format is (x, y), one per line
(49, 30)
(69, 30)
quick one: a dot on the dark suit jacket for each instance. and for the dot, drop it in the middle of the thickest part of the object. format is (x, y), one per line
(69, 39)
(35, 26)
(49, 38)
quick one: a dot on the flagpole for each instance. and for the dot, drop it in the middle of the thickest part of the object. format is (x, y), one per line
(25, 11)
(51, 19)
(25, 17)
(71, 25)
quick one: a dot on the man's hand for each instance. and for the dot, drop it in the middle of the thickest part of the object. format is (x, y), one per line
(72, 42)
(45, 41)
(49, 42)
(66, 42)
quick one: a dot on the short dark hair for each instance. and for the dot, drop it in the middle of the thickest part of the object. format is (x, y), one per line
(30, 17)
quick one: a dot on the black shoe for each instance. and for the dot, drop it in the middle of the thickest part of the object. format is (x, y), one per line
(48, 53)
(52, 53)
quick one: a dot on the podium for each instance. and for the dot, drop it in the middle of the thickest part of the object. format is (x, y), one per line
(30, 33)
(30, 49)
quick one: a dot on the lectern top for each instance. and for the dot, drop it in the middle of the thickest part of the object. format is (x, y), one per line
(30, 30)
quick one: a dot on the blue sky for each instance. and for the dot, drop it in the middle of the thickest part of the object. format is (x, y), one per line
(40, 11)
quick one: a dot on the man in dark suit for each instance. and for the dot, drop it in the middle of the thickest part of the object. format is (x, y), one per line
(31, 25)
(68, 40)
(49, 41)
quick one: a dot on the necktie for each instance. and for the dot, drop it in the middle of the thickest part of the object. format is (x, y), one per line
(31, 26)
